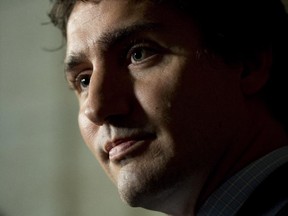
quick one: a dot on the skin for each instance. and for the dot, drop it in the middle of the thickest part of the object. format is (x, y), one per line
(167, 119)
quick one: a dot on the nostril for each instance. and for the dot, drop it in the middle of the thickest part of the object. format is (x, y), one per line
(107, 113)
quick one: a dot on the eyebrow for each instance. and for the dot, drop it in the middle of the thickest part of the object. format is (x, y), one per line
(108, 40)
(73, 60)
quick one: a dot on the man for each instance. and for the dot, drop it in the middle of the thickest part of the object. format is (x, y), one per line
(183, 102)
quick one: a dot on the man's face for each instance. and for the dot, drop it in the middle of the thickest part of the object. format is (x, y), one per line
(156, 109)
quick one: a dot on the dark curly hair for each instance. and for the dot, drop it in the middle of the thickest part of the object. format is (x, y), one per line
(238, 30)
(60, 13)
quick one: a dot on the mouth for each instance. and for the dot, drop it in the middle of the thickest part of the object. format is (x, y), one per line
(120, 148)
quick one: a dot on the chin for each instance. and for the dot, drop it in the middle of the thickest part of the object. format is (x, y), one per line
(139, 197)
(146, 187)
(134, 186)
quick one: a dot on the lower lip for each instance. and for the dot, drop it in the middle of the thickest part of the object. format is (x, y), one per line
(125, 149)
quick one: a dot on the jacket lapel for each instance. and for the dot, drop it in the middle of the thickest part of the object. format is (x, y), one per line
(268, 195)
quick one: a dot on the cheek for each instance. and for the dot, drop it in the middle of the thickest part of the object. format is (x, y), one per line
(89, 133)
(85, 128)
(155, 97)
(187, 104)
(94, 141)
(203, 115)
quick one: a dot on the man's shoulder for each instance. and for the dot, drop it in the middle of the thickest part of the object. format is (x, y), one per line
(270, 197)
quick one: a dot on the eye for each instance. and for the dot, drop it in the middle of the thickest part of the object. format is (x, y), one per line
(82, 81)
(140, 54)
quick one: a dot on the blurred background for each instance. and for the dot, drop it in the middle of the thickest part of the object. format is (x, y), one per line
(45, 168)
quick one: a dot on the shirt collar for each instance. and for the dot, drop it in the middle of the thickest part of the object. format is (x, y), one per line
(228, 199)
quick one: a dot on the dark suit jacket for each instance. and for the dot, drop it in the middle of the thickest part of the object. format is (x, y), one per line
(270, 193)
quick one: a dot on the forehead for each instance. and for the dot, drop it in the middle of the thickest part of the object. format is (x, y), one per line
(106, 13)
(91, 22)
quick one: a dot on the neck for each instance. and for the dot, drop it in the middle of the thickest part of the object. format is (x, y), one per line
(179, 200)
(264, 135)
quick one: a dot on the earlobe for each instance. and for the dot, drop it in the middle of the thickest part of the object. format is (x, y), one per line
(256, 73)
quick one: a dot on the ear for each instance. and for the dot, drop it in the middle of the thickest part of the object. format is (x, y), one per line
(255, 73)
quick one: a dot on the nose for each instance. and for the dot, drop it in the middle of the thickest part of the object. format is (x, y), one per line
(109, 95)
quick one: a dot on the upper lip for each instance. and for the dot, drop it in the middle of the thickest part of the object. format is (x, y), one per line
(121, 139)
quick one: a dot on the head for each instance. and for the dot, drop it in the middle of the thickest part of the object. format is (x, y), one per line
(232, 31)
(166, 87)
